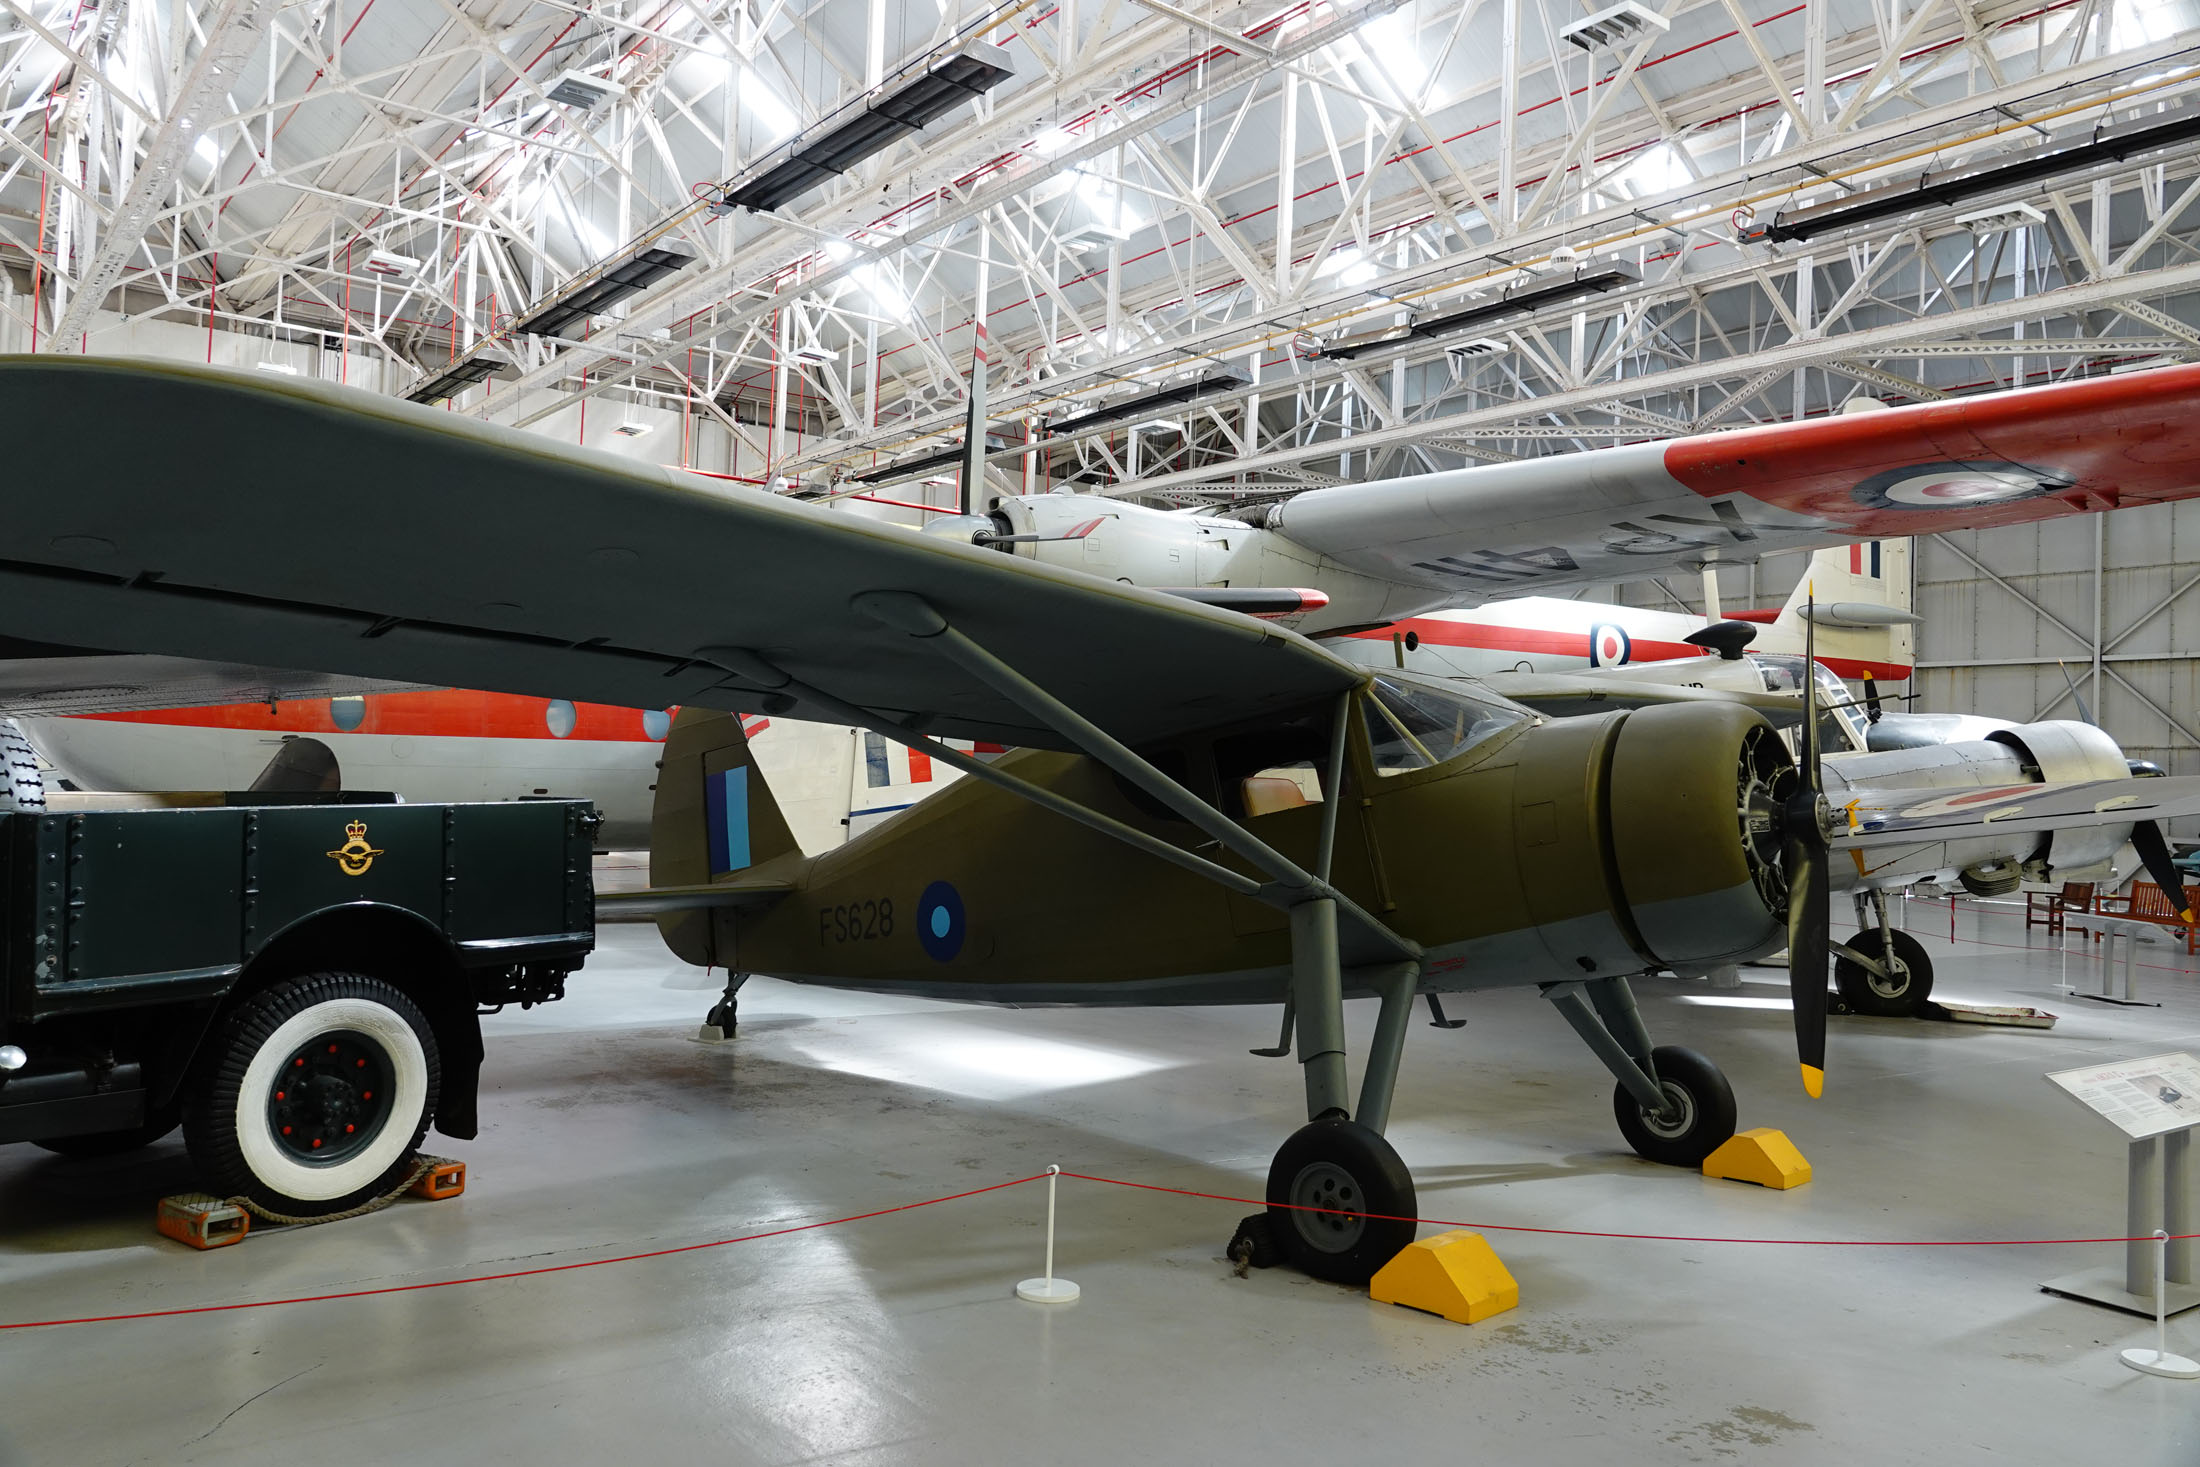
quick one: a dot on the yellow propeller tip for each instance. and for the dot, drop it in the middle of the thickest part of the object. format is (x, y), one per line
(2188, 914)
(1814, 1081)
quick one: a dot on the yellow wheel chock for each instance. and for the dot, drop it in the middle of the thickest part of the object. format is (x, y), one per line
(1455, 1274)
(1763, 1156)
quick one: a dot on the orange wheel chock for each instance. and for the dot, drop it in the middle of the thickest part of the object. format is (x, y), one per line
(201, 1220)
(444, 1178)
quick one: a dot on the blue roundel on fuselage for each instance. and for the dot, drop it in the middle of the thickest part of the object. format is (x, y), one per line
(940, 925)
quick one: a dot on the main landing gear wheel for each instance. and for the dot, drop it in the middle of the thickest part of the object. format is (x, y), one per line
(1902, 993)
(1327, 1172)
(315, 1095)
(1703, 1118)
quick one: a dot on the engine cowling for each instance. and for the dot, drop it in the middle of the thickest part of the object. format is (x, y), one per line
(1636, 842)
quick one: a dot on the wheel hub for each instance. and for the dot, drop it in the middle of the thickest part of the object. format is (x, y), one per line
(331, 1098)
(1682, 1118)
(1336, 1193)
(1894, 983)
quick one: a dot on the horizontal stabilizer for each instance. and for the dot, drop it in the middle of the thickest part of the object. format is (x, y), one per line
(740, 896)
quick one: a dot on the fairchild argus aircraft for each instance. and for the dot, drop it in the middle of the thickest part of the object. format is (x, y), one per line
(1286, 826)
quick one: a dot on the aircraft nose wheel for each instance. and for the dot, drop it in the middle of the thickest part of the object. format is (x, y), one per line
(1337, 1194)
(1899, 993)
(1702, 1118)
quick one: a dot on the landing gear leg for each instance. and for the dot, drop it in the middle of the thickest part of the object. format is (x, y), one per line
(718, 1024)
(1672, 1104)
(1340, 1201)
(1882, 971)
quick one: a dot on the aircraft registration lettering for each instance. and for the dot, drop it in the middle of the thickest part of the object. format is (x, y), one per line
(864, 921)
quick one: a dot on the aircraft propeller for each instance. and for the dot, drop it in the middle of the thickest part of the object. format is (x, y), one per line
(1810, 906)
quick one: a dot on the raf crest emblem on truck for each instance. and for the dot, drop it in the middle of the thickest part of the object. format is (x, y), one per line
(355, 855)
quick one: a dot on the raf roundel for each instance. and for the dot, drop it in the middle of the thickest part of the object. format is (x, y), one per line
(940, 925)
(1962, 484)
(1609, 646)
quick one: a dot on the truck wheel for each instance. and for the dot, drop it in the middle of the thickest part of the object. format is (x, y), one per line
(314, 1095)
(21, 786)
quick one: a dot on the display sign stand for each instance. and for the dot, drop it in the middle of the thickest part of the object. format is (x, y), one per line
(2156, 1102)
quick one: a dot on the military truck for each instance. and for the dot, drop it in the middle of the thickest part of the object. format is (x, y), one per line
(295, 980)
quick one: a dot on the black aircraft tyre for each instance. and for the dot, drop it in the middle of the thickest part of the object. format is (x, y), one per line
(1900, 995)
(1706, 1115)
(314, 1096)
(1344, 1166)
(112, 1143)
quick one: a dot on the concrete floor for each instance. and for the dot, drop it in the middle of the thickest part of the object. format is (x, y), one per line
(607, 1131)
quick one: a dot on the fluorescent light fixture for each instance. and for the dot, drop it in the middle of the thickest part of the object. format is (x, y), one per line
(1111, 213)
(814, 356)
(2013, 215)
(903, 105)
(391, 266)
(1479, 346)
(579, 89)
(1611, 29)
(1145, 404)
(1522, 299)
(1160, 425)
(632, 430)
(915, 464)
(621, 276)
(477, 365)
(1054, 142)
(2119, 144)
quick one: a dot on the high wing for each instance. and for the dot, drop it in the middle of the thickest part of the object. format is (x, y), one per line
(51, 682)
(1638, 510)
(1903, 817)
(158, 507)
(1572, 694)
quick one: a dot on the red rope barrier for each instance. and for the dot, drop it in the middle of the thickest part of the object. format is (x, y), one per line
(522, 1273)
(1438, 1222)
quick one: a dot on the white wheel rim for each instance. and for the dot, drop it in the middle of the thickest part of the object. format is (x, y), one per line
(265, 1156)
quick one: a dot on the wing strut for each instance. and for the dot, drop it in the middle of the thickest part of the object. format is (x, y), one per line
(1314, 905)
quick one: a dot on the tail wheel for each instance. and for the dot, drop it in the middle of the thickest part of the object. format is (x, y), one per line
(1902, 992)
(1702, 1118)
(315, 1095)
(1322, 1187)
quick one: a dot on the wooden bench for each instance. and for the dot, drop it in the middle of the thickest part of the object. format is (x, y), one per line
(2143, 901)
(2049, 908)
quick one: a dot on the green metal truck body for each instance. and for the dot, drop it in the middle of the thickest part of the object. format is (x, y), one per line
(126, 936)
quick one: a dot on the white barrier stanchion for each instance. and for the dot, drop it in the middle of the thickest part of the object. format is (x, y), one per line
(1049, 1290)
(2159, 1361)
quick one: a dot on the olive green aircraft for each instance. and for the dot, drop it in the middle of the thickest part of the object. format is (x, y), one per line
(1200, 808)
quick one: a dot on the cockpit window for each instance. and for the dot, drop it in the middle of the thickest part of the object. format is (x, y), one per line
(1412, 725)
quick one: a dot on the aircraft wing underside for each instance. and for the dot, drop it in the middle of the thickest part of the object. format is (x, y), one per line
(64, 684)
(345, 531)
(1642, 509)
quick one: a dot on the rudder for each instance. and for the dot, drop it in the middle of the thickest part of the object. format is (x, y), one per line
(713, 817)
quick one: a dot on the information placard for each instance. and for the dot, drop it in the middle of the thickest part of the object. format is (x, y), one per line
(2140, 1097)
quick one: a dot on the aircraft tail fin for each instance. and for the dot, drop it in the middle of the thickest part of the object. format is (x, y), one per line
(714, 820)
(1863, 609)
